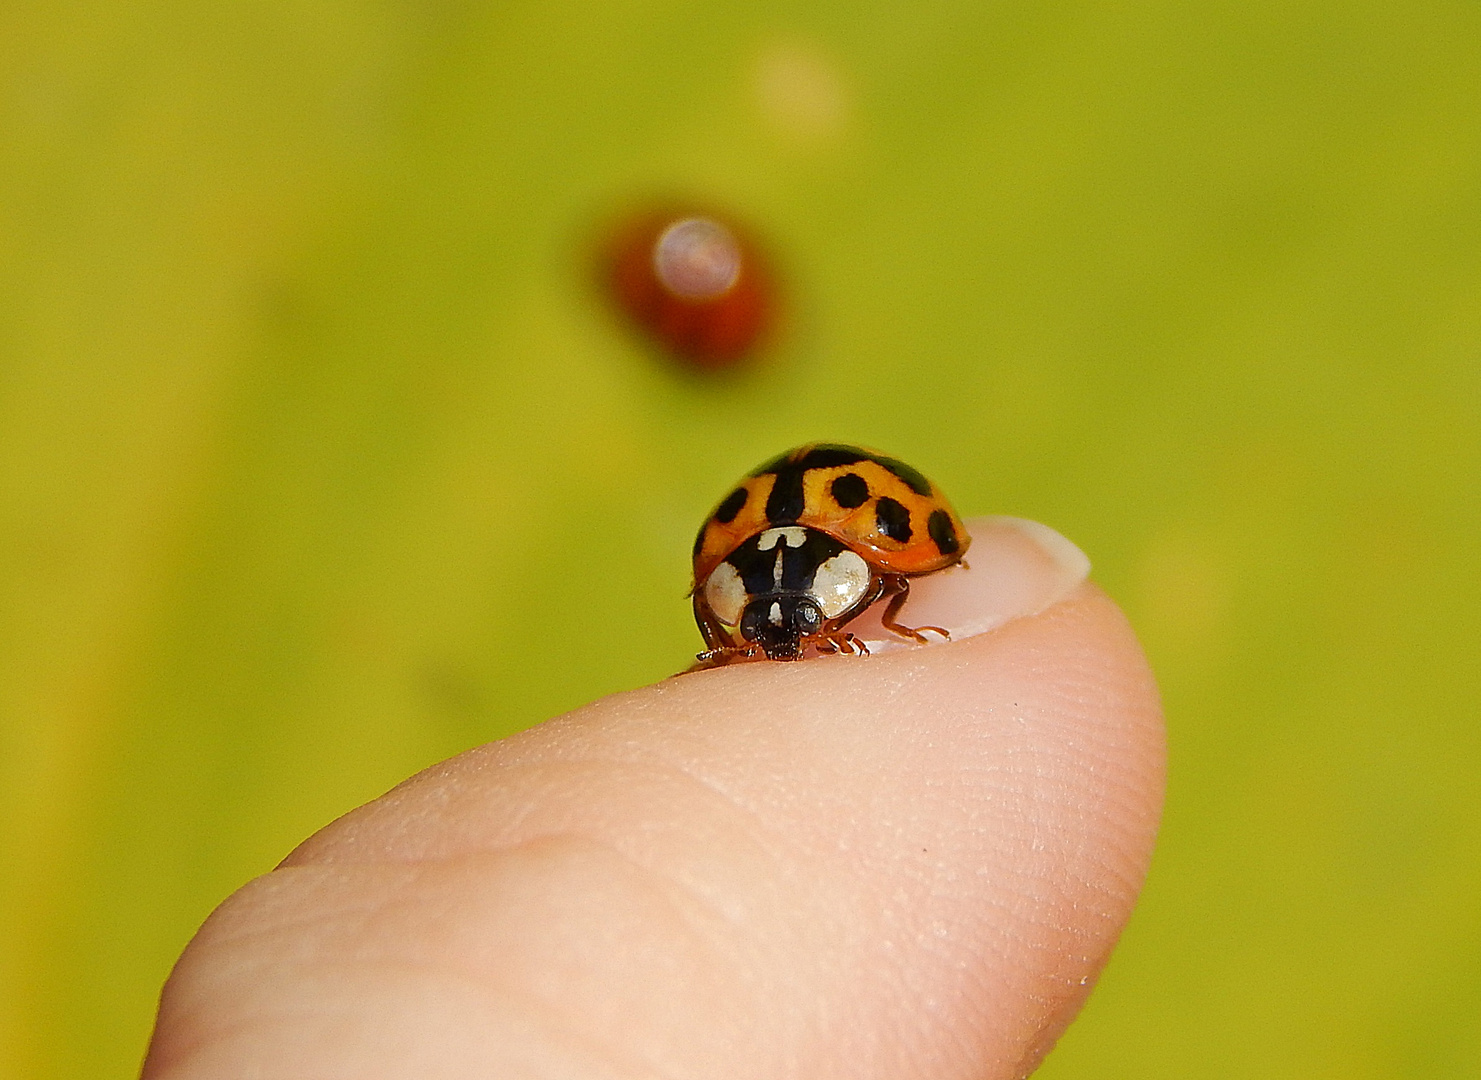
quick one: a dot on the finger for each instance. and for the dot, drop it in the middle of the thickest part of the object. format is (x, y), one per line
(905, 865)
(1013, 568)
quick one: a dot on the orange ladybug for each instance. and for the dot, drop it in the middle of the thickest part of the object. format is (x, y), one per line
(810, 540)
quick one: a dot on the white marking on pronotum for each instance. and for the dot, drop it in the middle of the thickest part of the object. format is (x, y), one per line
(776, 614)
(840, 583)
(794, 535)
(725, 592)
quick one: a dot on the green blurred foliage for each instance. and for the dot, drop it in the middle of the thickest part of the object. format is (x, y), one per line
(321, 457)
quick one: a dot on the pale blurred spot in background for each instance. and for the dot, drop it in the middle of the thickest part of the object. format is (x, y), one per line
(800, 91)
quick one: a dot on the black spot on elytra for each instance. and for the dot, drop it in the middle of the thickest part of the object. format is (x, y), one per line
(914, 480)
(822, 456)
(850, 491)
(734, 503)
(784, 505)
(894, 519)
(776, 464)
(830, 456)
(943, 532)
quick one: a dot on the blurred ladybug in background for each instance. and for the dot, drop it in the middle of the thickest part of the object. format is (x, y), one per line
(695, 284)
(810, 540)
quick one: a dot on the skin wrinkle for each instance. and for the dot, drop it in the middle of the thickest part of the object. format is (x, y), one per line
(516, 777)
(757, 975)
(465, 973)
(669, 885)
(349, 968)
(549, 1019)
(697, 939)
(254, 976)
(775, 848)
(234, 939)
(552, 1016)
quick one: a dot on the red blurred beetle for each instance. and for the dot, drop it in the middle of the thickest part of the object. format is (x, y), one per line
(695, 283)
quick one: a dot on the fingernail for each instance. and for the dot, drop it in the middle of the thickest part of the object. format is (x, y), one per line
(1015, 567)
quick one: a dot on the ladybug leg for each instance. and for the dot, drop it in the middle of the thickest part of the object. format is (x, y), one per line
(709, 627)
(897, 588)
(726, 654)
(841, 641)
(720, 651)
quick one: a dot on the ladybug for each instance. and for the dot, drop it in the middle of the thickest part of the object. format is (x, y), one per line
(810, 540)
(696, 283)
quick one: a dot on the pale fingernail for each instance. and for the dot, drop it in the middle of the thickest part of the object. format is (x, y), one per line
(1014, 567)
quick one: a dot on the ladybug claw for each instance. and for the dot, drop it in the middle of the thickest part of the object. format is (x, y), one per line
(713, 658)
(918, 633)
(844, 642)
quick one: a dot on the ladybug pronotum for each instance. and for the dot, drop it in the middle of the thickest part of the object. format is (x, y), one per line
(810, 540)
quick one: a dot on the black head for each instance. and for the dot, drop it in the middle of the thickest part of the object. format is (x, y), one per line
(780, 622)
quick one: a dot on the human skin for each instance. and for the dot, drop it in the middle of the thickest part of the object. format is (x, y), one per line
(907, 865)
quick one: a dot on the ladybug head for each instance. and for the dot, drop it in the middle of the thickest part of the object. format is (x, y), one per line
(779, 623)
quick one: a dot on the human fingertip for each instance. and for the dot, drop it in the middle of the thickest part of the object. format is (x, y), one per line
(1014, 568)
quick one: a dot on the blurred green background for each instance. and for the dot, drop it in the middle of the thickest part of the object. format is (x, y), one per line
(321, 458)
